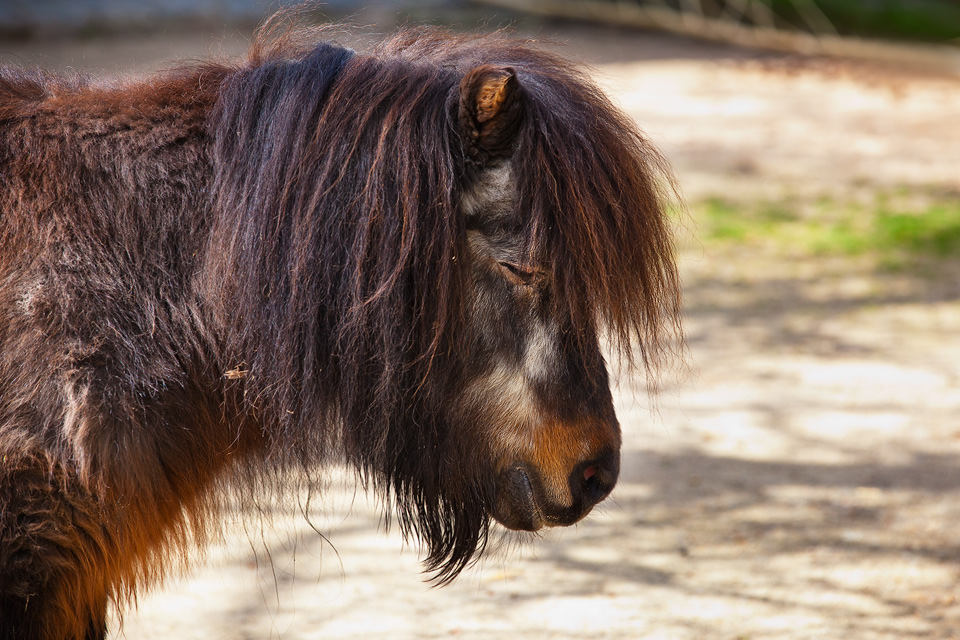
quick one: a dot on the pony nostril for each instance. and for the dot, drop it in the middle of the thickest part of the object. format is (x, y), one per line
(594, 489)
(594, 480)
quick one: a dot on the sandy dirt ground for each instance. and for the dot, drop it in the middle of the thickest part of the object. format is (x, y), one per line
(803, 481)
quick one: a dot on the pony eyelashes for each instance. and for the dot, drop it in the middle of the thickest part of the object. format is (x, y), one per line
(521, 275)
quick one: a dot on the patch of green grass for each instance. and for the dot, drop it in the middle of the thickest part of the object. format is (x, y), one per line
(843, 238)
(934, 232)
(894, 228)
(725, 220)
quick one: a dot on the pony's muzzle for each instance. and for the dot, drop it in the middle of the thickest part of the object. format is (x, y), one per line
(522, 502)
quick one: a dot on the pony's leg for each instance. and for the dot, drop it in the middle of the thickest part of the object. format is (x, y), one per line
(54, 553)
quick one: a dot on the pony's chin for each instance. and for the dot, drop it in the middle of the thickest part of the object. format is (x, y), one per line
(516, 505)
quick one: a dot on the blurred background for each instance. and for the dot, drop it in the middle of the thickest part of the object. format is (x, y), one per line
(799, 477)
(924, 20)
(919, 20)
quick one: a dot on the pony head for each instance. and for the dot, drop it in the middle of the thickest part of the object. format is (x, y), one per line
(417, 253)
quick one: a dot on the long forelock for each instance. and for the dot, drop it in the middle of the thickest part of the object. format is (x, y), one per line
(592, 193)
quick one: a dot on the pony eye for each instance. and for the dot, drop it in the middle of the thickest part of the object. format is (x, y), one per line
(519, 275)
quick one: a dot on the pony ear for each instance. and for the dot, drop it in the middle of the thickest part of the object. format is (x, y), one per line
(491, 110)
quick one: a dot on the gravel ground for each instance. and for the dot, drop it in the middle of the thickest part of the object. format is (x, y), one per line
(801, 482)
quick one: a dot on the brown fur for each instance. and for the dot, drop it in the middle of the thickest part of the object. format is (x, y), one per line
(227, 272)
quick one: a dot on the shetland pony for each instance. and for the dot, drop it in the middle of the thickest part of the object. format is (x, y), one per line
(230, 274)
